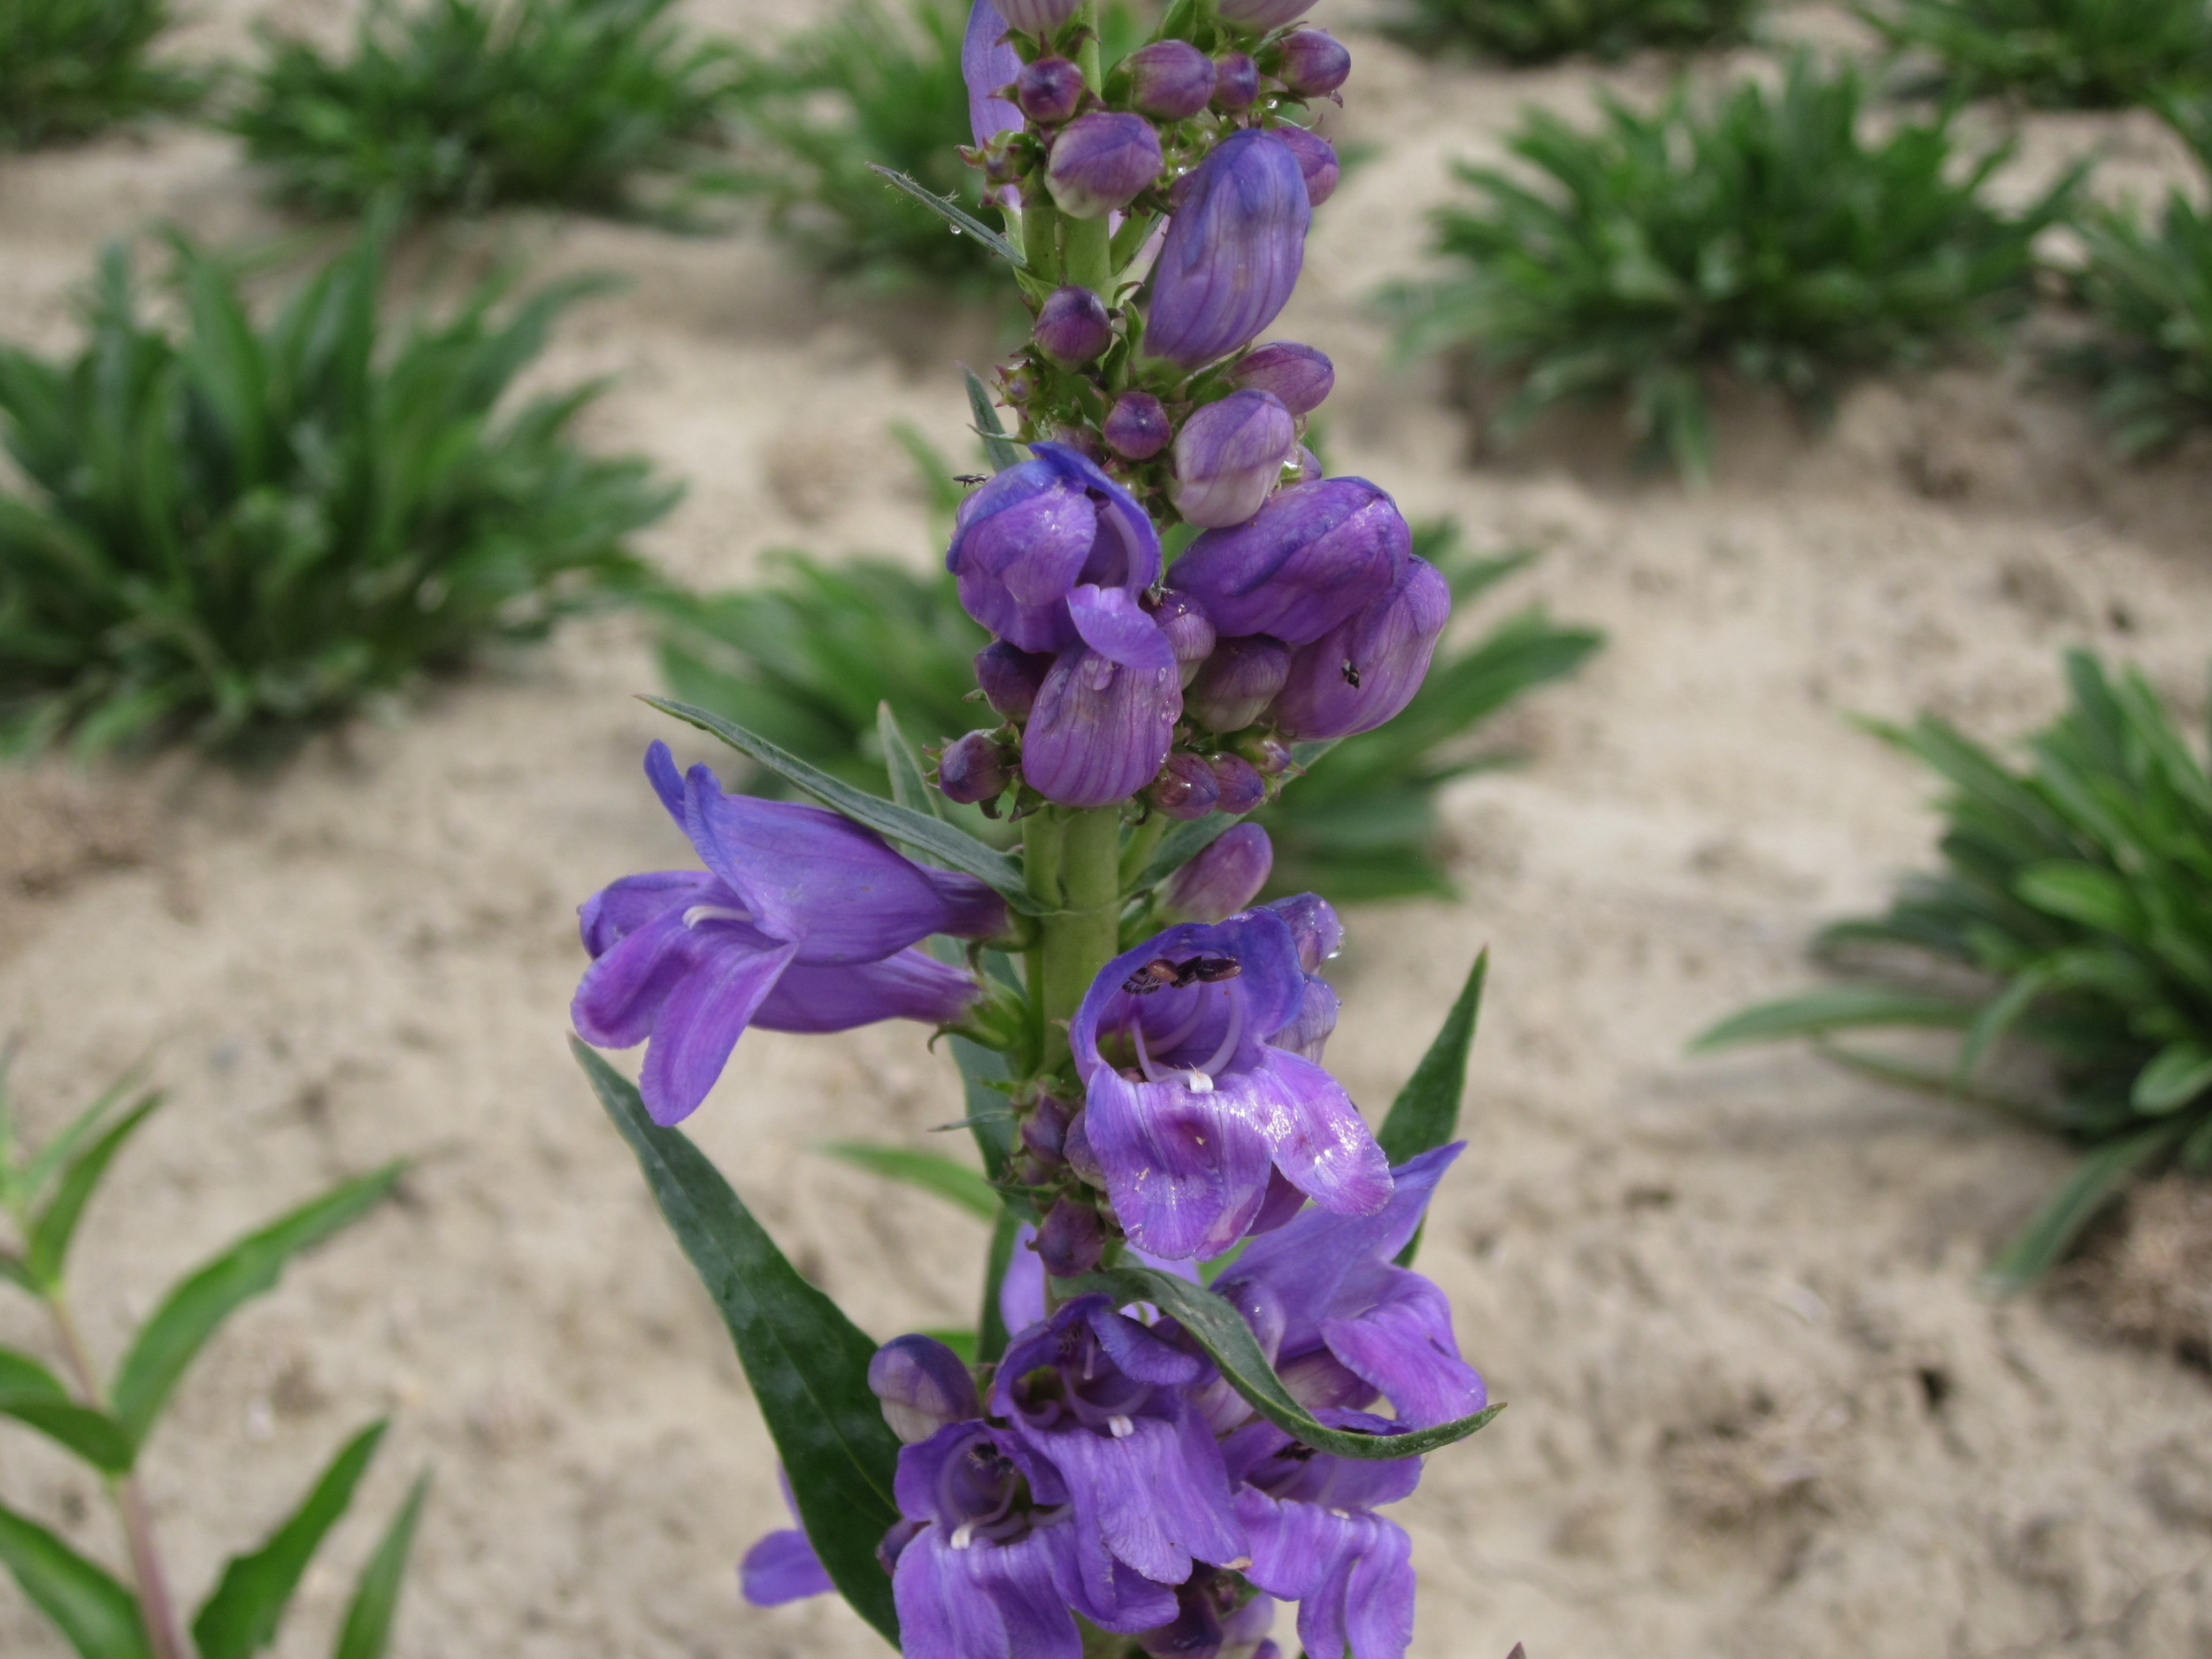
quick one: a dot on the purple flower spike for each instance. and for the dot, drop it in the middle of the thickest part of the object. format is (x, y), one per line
(1222, 879)
(923, 1388)
(1313, 557)
(1073, 326)
(1023, 542)
(1236, 83)
(1229, 456)
(973, 768)
(1170, 79)
(1107, 713)
(1311, 63)
(1261, 16)
(1316, 162)
(1299, 375)
(1233, 251)
(1049, 90)
(1188, 1105)
(1137, 426)
(1242, 789)
(1101, 161)
(1011, 679)
(1367, 669)
(988, 65)
(1185, 789)
(689, 958)
(782, 1566)
(1237, 683)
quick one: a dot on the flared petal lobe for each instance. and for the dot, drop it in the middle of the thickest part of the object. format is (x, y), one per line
(988, 65)
(1035, 532)
(1100, 731)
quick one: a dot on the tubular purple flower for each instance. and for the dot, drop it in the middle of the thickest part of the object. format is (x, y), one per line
(1023, 542)
(782, 1566)
(1101, 161)
(1236, 83)
(1299, 375)
(1011, 679)
(1048, 90)
(1310, 62)
(1190, 634)
(1261, 16)
(1189, 1109)
(1073, 326)
(1237, 683)
(1317, 161)
(1107, 712)
(1229, 456)
(1367, 669)
(1242, 789)
(988, 65)
(1185, 789)
(1223, 877)
(1231, 254)
(924, 1386)
(1169, 79)
(1314, 556)
(1039, 17)
(801, 921)
(973, 768)
(1137, 427)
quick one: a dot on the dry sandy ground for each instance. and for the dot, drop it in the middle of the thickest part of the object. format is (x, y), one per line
(1759, 1406)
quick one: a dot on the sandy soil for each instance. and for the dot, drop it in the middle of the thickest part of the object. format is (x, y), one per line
(1759, 1406)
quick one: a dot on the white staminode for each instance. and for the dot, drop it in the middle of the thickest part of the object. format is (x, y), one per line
(1120, 1428)
(699, 913)
(963, 1535)
(1199, 1079)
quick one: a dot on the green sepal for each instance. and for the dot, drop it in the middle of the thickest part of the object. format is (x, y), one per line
(996, 445)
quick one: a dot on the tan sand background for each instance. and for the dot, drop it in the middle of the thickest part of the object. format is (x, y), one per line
(1758, 1406)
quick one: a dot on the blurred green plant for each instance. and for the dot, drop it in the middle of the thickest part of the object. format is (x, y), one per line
(70, 67)
(2061, 54)
(2076, 906)
(43, 1193)
(232, 531)
(464, 105)
(1765, 240)
(1544, 31)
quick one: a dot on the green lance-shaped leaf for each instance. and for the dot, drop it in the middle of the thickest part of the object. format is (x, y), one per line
(166, 1343)
(954, 214)
(808, 1363)
(1842, 1007)
(931, 838)
(367, 1631)
(2039, 1245)
(56, 1223)
(241, 1616)
(931, 1171)
(43, 1164)
(1221, 1331)
(996, 445)
(97, 1614)
(910, 783)
(35, 1397)
(2177, 1075)
(1425, 1115)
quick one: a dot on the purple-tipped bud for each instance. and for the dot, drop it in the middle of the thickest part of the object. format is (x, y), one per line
(1314, 927)
(1236, 83)
(972, 769)
(1038, 17)
(1101, 161)
(1072, 328)
(1169, 79)
(1045, 1131)
(1229, 458)
(1299, 375)
(1270, 756)
(1237, 683)
(1190, 634)
(1011, 679)
(1363, 671)
(1317, 161)
(1232, 253)
(1264, 15)
(1137, 427)
(1312, 557)
(922, 1387)
(1186, 787)
(1242, 789)
(1051, 89)
(1071, 1241)
(1222, 879)
(1309, 62)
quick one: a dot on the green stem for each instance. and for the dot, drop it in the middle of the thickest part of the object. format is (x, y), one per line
(1090, 255)
(1084, 935)
(1144, 841)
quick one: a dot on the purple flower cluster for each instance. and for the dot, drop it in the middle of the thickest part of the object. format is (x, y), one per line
(1104, 1470)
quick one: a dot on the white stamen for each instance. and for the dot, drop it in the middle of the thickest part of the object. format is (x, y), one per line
(699, 913)
(1120, 1428)
(963, 1535)
(1198, 1082)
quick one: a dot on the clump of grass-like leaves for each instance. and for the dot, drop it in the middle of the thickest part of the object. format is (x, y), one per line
(464, 105)
(1544, 31)
(70, 67)
(2076, 905)
(1766, 239)
(237, 527)
(2062, 54)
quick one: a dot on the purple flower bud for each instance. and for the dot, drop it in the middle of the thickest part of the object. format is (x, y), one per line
(1050, 90)
(1229, 458)
(1237, 683)
(1264, 15)
(1242, 789)
(1101, 161)
(1317, 161)
(1137, 426)
(1232, 253)
(988, 63)
(1236, 82)
(1038, 17)
(1300, 376)
(972, 769)
(1222, 878)
(922, 1387)
(1045, 1131)
(1186, 787)
(1310, 62)
(1312, 557)
(1011, 678)
(1081, 1159)
(1071, 1241)
(1190, 635)
(1073, 326)
(1268, 752)
(1170, 79)
(1314, 927)
(1364, 671)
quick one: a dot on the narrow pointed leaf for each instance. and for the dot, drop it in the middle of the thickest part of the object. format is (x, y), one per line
(21, 1376)
(996, 445)
(956, 1183)
(367, 1631)
(57, 1225)
(2039, 1246)
(909, 784)
(167, 1342)
(241, 1616)
(808, 1363)
(938, 843)
(2177, 1075)
(89, 1432)
(97, 1614)
(989, 1118)
(954, 214)
(1221, 1331)
(1840, 1008)
(42, 1164)
(1425, 1115)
